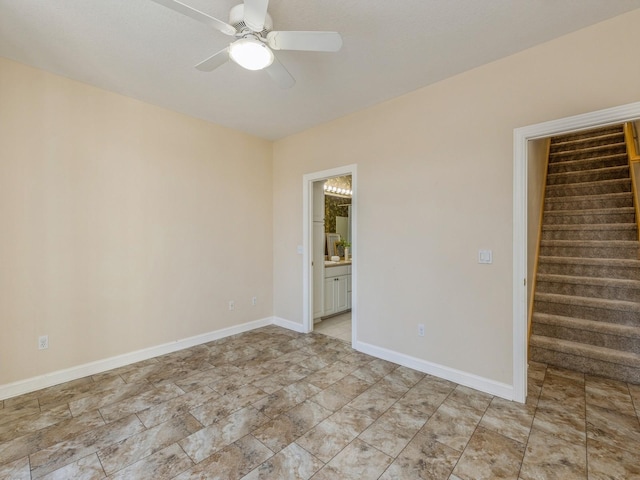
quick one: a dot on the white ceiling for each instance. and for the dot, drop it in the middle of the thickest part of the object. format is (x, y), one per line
(141, 49)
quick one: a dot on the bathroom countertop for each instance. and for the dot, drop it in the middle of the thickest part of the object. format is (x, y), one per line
(329, 263)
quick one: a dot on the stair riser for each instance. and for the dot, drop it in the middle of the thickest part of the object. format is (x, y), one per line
(589, 313)
(596, 271)
(593, 176)
(586, 234)
(588, 164)
(590, 218)
(586, 365)
(570, 156)
(626, 344)
(588, 203)
(589, 291)
(618, 186)
(591, 252)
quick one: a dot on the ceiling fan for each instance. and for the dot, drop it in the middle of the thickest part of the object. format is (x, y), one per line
(255, 39)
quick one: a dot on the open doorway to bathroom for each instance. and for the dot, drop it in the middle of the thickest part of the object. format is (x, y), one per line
(333, 255)
(330, 251)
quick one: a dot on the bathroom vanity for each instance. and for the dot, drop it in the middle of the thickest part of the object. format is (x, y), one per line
(337, 287)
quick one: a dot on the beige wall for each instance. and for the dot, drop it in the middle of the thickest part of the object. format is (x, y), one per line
(536, 170)
(452, 194)
(123, 225)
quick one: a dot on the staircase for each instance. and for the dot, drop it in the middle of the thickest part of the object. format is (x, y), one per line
(587, 297)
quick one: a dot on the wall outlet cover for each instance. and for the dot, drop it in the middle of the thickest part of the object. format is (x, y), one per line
(485, 256)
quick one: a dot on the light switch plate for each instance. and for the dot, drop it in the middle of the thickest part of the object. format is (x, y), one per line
(485, 256)
(299, 249)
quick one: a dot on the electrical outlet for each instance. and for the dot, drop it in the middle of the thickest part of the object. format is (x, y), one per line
(421, 329)
(43, 342)
(232, 305)
(254, 301)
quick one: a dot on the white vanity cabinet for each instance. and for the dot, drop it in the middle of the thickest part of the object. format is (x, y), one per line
(337, 289)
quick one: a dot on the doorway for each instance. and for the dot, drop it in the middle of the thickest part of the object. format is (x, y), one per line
(313, 266)
(521, 137)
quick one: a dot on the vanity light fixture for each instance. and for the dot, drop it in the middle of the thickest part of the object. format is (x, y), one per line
(338, 191)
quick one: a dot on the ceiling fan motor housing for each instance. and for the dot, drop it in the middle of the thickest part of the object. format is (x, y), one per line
(236, 19)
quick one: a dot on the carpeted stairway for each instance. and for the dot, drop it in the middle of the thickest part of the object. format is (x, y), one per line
(587, 299)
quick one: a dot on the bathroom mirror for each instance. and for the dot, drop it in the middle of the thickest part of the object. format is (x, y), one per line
(332, 239)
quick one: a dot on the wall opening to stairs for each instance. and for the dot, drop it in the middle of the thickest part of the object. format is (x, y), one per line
(522, 136)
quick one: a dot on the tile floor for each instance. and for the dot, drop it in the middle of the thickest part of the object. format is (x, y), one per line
(274, 404)
(336, 327)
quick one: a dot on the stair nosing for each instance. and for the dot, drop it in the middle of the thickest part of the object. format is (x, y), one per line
(592, 183)
(592, 211)
(589, 138)
(619, 262)
(605, 328)
(589, 226)
(603, 303)
(590, 149)
(594, 352)
(592, 170)
(594, 281)
(594, 197)
(589, 243)
(591, 159)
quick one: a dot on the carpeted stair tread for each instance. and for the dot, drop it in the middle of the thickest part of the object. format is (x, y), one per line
(589, 243)
(628, 268)
(599, 262)
(590, 226)
(584, 176)
(589, 202)
(601, 196)
(596, 281)
(576, 145)
(585, 350)
(604, 137)
(605, 328)
(591, 211)
(598, 187)
(601, 303)
(588, 149)
(589, 231)
(594, 132)
(582, 164)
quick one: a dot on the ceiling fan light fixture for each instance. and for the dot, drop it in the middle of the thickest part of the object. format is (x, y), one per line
(251, 53)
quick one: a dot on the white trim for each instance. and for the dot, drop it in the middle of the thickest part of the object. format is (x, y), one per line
(288, 324)
(521, 136)
(54, 378)
(462, 378)
(307, 235)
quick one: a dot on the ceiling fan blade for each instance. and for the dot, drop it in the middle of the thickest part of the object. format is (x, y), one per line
(202, 17)
(309, 41)
(280, 75)
(214, 61)
(255, 13)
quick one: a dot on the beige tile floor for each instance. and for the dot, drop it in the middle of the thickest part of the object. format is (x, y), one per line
(273, 404)
(336, 327)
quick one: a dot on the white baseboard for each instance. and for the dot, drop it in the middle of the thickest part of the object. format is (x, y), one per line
(295, 326)
(462, 378)
(54, 378)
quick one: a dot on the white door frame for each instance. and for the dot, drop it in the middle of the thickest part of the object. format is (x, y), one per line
(521, 136)
(307, 246)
